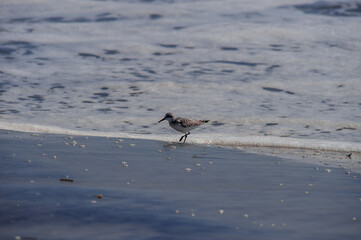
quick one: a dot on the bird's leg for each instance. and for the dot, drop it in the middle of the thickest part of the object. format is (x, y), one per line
(184, 136)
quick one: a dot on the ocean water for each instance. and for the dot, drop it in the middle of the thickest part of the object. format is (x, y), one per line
(265, 73)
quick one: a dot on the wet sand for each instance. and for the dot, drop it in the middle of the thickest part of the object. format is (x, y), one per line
(62, 187)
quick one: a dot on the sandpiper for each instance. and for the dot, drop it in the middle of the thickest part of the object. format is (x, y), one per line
(184, 125)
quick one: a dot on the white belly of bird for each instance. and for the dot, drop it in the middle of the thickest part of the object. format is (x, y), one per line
(182, 129)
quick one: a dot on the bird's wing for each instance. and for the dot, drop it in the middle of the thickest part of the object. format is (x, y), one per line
(185, 122)
(180, 121)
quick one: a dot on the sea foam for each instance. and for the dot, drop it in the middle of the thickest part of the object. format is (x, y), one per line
(199, 138)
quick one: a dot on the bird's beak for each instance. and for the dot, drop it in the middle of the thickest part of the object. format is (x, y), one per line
(161, 120)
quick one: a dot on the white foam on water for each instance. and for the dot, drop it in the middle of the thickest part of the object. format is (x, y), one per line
(285, 142)
(199, 138)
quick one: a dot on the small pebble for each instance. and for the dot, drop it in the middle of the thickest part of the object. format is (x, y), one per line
(168, 158)
(306, 192)
(132, 145)
(99, 196)
(316, 168)
(86, 170)
(119, 146)
(354, 219)
(82, 146)
(176, 211)
(221, 211)
(124, 164)
(174, 147)
(93, 201)
(310, 184)
(210, 162)
(159, 151)
(245, 215)
(188, 169)
(282, 201)
(281, 184)
(66, 180)
(54, 157)
(328, 170)
(197, 165)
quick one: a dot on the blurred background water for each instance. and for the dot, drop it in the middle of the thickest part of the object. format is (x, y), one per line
(254, 68)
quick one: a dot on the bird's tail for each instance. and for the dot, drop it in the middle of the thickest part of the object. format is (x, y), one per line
(205, 121)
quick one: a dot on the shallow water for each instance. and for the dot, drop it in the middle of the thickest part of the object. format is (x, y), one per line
(156, 190)
(254, 68)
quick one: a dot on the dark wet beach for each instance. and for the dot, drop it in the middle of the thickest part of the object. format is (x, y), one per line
(62, 187)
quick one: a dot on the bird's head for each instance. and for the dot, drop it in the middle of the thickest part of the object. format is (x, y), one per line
(168, 116)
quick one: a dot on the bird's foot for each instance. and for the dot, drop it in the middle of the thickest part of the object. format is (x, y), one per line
(185, 137)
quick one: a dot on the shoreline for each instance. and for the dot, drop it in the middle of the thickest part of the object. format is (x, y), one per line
(290, 143)
(144, 189)
(300, 149)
